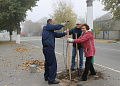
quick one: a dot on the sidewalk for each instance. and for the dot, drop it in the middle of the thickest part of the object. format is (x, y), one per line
(107, 41)
(11, 69)
(12, 73)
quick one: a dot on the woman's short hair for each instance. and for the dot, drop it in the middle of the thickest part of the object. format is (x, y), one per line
(87, 27)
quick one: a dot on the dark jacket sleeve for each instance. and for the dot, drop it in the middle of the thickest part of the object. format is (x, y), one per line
(54, 27)
(71, 31)
(59, 35)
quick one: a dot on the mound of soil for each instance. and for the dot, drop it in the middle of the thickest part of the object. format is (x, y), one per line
(75, 75)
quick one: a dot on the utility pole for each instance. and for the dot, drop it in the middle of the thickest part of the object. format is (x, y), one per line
(90, 16)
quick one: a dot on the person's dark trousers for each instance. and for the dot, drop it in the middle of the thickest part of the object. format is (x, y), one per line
(74, 55)
(50, 64)
(88, 66)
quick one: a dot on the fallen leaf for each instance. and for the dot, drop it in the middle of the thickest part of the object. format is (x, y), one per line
(27, 76)
(20, 49)
(27, 63)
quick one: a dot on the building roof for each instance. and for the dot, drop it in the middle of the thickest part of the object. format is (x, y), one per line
(105, 17)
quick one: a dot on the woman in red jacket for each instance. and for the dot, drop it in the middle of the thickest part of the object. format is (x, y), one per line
(86, 39)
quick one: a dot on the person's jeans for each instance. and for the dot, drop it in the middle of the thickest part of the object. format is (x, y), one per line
(74, 55)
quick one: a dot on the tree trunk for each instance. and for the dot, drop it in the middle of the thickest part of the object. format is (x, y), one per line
(11, 35)
(18, 32)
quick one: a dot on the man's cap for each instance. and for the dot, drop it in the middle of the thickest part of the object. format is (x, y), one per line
(78, 22)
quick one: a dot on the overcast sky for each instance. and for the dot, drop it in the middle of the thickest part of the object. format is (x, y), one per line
(44, 8)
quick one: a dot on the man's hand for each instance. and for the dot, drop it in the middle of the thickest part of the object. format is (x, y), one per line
(64, 24)
(66, 32)
(70, 40)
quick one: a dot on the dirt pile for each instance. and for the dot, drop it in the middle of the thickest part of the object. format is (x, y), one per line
(75, 75)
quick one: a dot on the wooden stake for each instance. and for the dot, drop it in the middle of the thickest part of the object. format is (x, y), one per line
(66, 58)
(69, 55)
(77, 52)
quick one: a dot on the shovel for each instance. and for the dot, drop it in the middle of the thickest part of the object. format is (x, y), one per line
(77, 57)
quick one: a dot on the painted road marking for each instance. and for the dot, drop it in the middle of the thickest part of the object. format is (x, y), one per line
(107, 68)
(83, 60)
(59, 53)
(96, 47)
(97, 65)
(107, 49)
(31, 40)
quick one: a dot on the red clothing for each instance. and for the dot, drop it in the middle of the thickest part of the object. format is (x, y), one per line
(86, 39)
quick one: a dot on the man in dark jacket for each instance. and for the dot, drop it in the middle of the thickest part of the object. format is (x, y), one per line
(73, 31)
(48, 41)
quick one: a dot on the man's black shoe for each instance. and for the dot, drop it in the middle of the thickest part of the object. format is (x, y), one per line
(46, 79)
(72, 69)
(80, 70)
(54, 82)
(82, 79)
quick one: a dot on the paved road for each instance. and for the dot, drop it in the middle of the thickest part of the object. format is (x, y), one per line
(106, 59)
(106, 54)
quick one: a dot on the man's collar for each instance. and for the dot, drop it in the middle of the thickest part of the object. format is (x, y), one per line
(77, 28)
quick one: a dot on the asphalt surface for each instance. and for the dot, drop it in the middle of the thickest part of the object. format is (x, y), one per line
(107, 60)
(107, 57)
(107, 54)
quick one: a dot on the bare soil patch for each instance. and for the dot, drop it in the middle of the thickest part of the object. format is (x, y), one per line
(65, 81)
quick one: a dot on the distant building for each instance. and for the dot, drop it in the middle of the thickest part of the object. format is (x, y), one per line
(106, 22)
(110, 28)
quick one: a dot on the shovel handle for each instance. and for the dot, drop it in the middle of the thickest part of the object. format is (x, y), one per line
(77, 51)
(69, 55)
